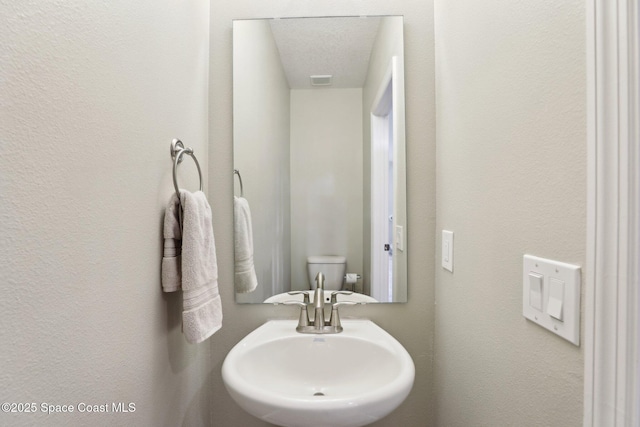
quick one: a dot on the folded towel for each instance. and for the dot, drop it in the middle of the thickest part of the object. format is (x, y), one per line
(171, 277)
(245, 273)
(195, 269)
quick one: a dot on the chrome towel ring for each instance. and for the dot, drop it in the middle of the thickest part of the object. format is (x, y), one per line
(177, 150)
(237, 172)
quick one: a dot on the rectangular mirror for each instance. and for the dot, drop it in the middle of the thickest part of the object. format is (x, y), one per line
(319, 157)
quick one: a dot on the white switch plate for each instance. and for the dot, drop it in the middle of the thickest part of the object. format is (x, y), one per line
(399, 238)
(565, 279)
(447, 250)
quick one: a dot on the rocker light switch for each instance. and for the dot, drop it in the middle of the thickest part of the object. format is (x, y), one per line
(535, 290)
(556, 298)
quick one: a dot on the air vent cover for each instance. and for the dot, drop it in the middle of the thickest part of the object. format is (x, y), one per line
(321, 80)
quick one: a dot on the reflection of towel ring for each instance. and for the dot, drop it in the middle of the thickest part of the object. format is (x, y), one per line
(177, 150)
(237, 172)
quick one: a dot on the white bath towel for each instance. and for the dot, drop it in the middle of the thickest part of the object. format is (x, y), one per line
(245, 273)
(197, 271)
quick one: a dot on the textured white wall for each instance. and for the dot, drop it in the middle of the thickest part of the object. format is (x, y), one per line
(411, 323)
(261, 153)
(92, 94)
(326, 178)
(511, 180)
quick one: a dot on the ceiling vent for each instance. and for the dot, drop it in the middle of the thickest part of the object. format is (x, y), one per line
(321, 80)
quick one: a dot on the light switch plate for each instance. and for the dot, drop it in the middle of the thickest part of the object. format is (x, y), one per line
(400, 238)
(560, 296)
(447, 250)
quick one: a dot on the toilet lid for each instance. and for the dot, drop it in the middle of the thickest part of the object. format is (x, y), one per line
(326, 259)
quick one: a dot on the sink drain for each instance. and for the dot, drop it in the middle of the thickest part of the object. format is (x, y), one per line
(318, 394)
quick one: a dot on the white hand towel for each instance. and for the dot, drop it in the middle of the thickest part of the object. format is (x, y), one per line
(171, 277)
(245, 273)
(197, 274)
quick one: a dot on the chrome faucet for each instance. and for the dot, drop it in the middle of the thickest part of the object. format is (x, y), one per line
(318, 324)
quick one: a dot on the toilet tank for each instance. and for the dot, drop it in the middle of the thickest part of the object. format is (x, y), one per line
(333, 267)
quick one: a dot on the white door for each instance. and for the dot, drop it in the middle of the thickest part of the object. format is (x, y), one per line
(382, 194)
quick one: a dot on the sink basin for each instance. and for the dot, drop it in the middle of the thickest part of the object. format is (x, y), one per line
(353, 378)
(354, 297)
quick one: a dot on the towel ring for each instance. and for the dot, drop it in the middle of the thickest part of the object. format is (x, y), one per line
(177, 150)
(237, 172)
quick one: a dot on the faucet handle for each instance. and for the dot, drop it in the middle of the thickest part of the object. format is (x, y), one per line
(305, 294)
(291, 302)
(334, 320)
(334, 295)
(304, 313)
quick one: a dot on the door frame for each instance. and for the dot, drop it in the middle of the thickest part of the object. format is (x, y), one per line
(383, 106)
(612, 376)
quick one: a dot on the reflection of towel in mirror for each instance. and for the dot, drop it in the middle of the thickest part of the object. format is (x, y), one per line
(245, 273)
(196, 271)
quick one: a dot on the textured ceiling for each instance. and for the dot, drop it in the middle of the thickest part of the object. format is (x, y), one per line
(337, 46)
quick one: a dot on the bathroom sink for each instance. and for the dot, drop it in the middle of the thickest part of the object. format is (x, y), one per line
(353, 378)
(354, 297)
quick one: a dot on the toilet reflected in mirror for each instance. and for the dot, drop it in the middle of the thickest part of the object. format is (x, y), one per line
(334, 269)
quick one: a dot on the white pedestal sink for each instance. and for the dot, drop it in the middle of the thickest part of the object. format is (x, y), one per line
(353, 378)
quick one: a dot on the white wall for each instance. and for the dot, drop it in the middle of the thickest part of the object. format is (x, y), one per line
(326, 178)
(411, 323)
(511, 181)
(261, 153)
(92, 94)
